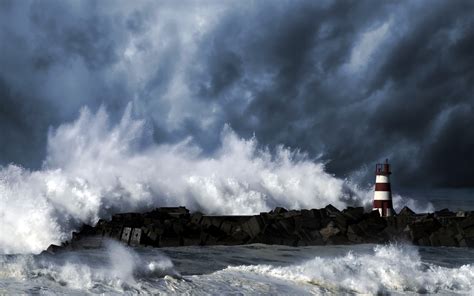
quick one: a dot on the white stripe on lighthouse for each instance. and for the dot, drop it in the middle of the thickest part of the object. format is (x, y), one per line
(382, 195)
(381, 179)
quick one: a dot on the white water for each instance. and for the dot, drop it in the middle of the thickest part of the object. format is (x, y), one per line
(94, 169)
(390, 269)
(337, 270)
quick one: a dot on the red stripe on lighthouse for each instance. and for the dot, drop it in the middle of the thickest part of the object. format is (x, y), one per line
(382, 187)
(380, 203)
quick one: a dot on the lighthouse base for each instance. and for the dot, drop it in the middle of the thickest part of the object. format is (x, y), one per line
(384, 207)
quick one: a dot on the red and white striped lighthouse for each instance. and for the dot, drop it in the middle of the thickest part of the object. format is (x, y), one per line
(383, 192)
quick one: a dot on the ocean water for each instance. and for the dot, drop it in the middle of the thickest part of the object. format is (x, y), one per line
(242, 270)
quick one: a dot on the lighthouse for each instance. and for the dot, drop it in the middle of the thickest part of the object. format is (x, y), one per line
(383, 192)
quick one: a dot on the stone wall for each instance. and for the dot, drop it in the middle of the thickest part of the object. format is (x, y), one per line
(175, 226)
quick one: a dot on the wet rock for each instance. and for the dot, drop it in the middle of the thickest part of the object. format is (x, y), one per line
(279, 210)
(355, 234)
(331, 210)
(175, 226)
(307, 220)
(253, 226)
(196, 218)
(329, 231)
(444, 237)
(443, 213)
(423, 228)
(406, 211)
(287, 226)
(354, 214)
(53, 249)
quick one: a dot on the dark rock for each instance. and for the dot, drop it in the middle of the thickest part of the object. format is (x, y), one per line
(331, 210)
(469, 232)
(406, 211)
(226, 227)
(174, 212)
(174, 226)
(329, 231)
(279, 210)
(171, 241)
(354, 214)
(307, 221)
(444, 237)
(287, 226)
(444, 213)
(196, 218)
(467, 222)
(355, 234)
(423, 241)
(253, 226)
(423, 228)
(53, 249)
(291, 213)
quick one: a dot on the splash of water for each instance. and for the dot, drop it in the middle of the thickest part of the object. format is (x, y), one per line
(391, 268)
(116, 271)
(94, 169)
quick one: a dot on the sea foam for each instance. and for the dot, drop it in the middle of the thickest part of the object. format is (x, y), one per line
(391, 268)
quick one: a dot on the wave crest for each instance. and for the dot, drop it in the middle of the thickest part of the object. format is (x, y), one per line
(391, 268)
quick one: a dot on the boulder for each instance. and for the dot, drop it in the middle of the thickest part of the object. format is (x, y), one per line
(444, 213)
(443, 237)
(355, 234)
(329, 231)
(354, 214)
(170, 241)
(467, 222)
(253, 226)
(174, 212)
(406, 211)
(196, 218)
(423, 228)
(307, 220)
(291, 213)
(279, 210)
(286, 225)
(331, 210)
(226, 227)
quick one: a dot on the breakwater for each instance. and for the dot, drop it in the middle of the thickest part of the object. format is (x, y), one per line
(176, 226)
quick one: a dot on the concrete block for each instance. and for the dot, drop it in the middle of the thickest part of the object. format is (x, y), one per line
(196, 218)
(126, 233)
(253, 226)
(135, 237)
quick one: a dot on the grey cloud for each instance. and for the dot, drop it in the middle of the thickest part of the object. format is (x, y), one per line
(282, 71)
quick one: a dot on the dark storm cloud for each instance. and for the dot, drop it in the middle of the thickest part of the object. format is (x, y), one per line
(357, 81)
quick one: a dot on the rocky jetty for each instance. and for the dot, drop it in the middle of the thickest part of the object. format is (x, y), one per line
(176, 226)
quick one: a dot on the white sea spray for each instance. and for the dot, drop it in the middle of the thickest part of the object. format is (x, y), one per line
(94, 169)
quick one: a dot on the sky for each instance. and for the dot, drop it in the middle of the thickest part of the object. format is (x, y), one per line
(347, 83)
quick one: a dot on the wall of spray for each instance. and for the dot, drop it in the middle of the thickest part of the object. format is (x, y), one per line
(94, 169)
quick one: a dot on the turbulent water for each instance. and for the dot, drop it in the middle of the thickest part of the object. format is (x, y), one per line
(253, 269)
